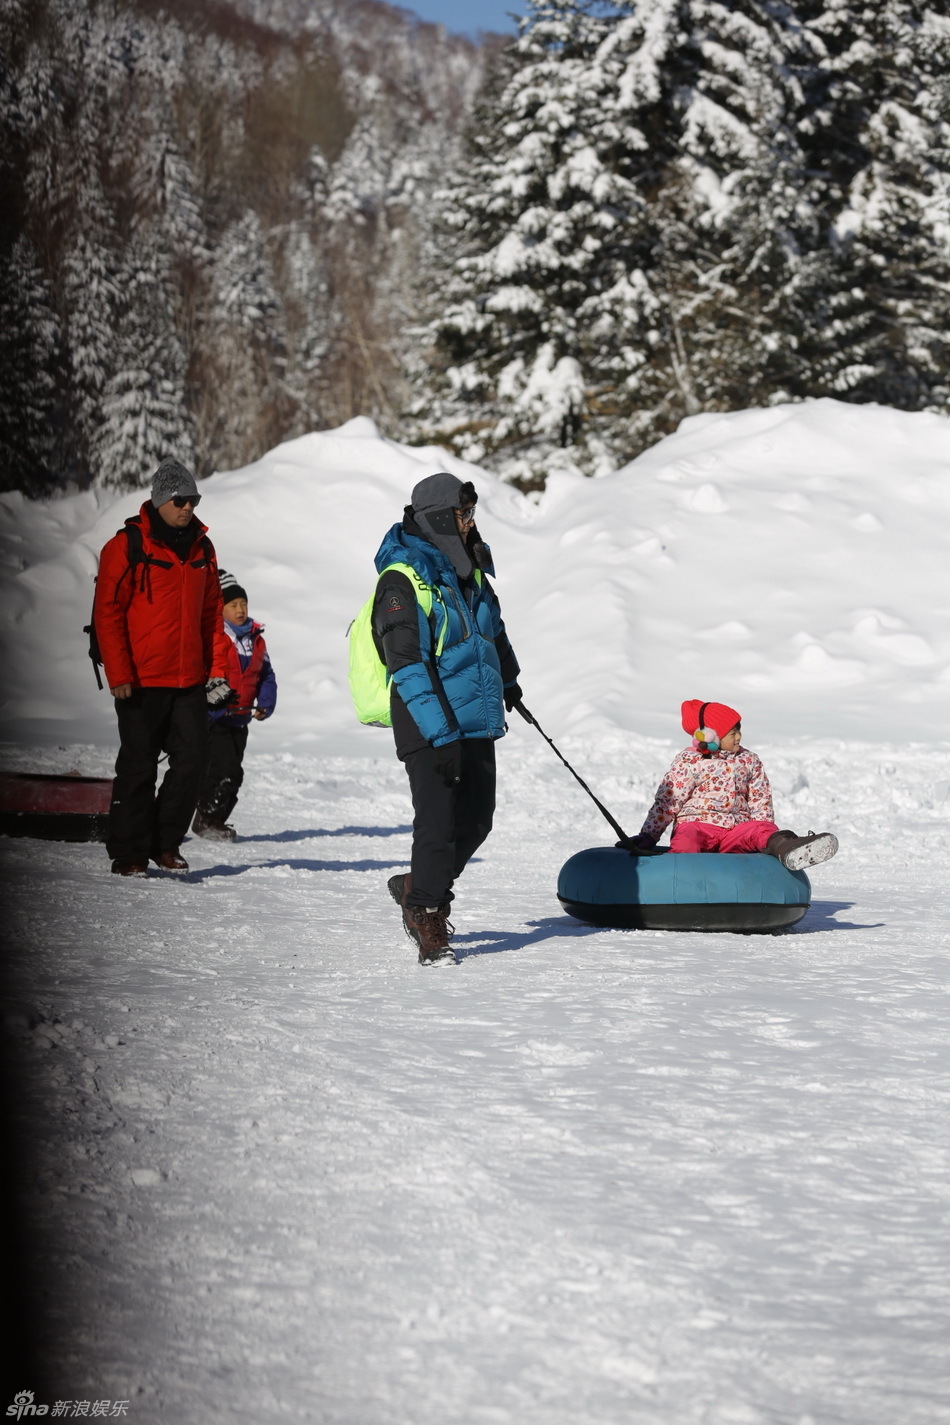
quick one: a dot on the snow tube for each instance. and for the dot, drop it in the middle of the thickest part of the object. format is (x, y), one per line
(689, 891)
(54, 807)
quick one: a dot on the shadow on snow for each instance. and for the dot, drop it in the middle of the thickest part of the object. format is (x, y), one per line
(494, 942)
(820, 916)
(316, 831)
(212, 871)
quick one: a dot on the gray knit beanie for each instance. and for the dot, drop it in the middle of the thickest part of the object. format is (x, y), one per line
(170, 479)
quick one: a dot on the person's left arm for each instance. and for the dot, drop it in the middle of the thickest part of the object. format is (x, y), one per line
(760, 791)
(510, 668)
(266, 690)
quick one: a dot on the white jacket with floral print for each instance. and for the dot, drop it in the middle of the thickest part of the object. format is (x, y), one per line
(722, 790)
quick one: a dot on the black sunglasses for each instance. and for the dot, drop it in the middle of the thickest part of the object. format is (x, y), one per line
(180, 501)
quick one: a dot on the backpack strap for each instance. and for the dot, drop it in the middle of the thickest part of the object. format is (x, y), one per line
(207, 551)
(426, 594)
(137, 555)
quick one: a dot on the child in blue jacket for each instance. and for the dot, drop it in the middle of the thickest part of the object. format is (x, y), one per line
(252, 680)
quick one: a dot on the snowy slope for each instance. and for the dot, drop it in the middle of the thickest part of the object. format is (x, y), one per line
(788, 561)
(277, 1172)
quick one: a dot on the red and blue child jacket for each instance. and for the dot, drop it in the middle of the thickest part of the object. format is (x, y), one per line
(250, 674)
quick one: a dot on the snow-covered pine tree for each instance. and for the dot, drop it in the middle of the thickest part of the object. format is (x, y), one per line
(550, 289)
(29, 337)
(164, 188)
(628, 229)
(738, 212)
(307, 307)
(881, 139)
(90, 301)
(778, 195)
(244, 345)
(144, 414)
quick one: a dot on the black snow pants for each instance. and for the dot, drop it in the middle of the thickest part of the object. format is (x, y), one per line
(153, 721)
(224, 772)
(449, 823)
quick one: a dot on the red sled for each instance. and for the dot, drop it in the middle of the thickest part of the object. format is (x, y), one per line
(54, 806)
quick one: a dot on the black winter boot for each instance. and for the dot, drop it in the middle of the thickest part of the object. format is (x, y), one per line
(797, 852)
(212, 830)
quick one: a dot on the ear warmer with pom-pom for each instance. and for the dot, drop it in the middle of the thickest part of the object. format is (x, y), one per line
(708, 723)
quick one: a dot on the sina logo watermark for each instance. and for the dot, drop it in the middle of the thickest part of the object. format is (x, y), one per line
(23, 1405)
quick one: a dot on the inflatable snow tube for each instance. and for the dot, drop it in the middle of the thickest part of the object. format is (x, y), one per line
(747, 894)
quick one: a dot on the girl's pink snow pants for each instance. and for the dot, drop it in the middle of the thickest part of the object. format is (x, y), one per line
(702, 836)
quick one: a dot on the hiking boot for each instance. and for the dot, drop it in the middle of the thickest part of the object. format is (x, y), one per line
(400, 886)
(212, 830)
(797, 852)
(171, 860)
(126, 866)
(430, 929)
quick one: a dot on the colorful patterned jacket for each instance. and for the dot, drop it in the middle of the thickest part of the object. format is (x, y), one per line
(722, 790)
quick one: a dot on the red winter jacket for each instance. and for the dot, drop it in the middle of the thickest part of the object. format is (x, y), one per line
(245, 681)
(159, 624)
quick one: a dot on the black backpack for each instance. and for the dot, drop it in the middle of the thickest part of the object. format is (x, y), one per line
(137, 558)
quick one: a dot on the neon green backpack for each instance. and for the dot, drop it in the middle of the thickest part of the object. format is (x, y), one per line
(368, 675)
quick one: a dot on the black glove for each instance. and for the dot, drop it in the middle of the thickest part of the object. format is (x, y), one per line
(512, 695)
(448, 763)
(219, 693)
(641, 842)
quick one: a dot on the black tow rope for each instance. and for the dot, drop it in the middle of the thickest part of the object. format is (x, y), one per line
(529, 717)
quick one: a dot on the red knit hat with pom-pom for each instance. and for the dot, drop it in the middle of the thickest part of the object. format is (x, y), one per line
(717, 720)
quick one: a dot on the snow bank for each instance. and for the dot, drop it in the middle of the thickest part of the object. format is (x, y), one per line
(786, 560)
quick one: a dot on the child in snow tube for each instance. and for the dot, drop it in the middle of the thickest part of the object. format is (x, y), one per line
(718, 797)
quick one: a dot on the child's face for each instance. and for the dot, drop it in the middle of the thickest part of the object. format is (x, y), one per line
(236, 611)
(732, 740)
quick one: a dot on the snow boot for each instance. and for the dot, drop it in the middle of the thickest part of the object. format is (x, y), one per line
(797, 852)
(171, 860)
(400, 886)
(430, 929)
(212, 830)
(126, 866)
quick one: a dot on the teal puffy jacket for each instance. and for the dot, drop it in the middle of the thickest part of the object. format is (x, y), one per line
(448, 670)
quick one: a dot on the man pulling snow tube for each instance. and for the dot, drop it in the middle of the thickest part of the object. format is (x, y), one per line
(743, 893)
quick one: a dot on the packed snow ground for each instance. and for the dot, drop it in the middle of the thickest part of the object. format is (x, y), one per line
(282, 1173)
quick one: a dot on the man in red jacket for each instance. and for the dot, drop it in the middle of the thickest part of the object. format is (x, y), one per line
(157, 618)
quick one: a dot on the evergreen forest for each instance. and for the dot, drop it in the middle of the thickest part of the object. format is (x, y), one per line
(228, 222)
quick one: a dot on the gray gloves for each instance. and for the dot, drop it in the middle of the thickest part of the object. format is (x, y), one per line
(219, 693)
